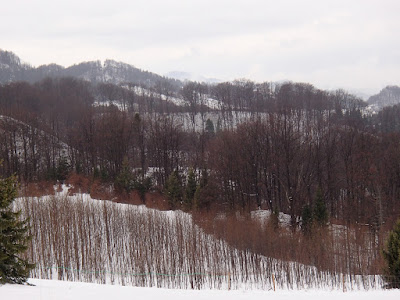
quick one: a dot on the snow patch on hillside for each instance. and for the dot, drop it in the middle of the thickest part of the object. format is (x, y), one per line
(264, 215)
(176, 100)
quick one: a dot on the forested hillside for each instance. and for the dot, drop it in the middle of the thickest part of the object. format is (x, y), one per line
(215, 149)
(388, 96)
(263, 145)
(12, 69)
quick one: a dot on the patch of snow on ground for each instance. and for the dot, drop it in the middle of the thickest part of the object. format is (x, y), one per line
(213, 103)
(264, 215)
(145, 92)
(118, 104)
(53, 289)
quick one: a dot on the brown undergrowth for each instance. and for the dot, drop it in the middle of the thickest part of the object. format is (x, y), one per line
(351, 249)
(97, 189)
(37, 189)
(337, 249)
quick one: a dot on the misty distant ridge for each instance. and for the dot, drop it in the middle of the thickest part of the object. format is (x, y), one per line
(388, 96)
(13, 69)
(9, 59)
(186, 76)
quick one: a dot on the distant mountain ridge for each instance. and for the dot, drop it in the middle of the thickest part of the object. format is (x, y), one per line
(111, 71)
(388, 96)
(185, 76)
(11, 67)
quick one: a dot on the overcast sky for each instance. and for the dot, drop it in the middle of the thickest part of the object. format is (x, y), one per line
(353, 44)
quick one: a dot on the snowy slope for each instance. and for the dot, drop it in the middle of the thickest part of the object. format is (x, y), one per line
(77, 238)
(52, 289)
(176, 100)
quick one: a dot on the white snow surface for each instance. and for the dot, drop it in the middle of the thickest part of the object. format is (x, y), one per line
(145, 92)
(179, 101)
(264, 215)
(54, 289)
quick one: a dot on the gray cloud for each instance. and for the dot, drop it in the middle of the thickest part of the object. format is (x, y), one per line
(330, 43)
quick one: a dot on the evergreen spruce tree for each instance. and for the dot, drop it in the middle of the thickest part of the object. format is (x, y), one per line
(191, 187)
(125, 179)
(210, 128)
(307, 219)
(13, 236)
(142, 186)
(205, 192)
(63, 169)
(320, 211)
(391, 255)
(173, 189)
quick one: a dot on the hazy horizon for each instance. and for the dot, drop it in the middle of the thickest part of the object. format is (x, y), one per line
(330, 44)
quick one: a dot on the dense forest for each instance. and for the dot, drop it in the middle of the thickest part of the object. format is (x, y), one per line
(239, 146)
(270, 146)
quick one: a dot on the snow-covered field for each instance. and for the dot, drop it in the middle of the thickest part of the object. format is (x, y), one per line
(54, 289)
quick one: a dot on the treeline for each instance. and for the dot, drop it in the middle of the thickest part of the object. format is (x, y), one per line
(291, 141)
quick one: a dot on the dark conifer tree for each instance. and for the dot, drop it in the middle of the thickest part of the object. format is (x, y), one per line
(210, 127)
(391, 255)
(320, 211)
(13, 236)
(124, 180)
(307, 219)
(191, 187)
(173, 189)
